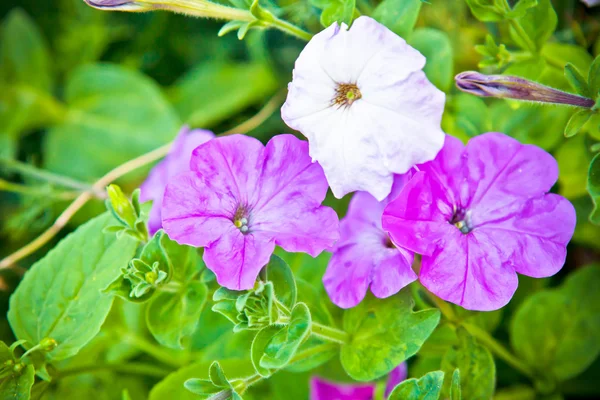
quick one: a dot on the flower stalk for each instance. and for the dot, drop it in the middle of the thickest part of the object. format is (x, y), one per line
(513, 87)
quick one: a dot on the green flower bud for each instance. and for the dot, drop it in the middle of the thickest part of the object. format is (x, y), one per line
(48, 344)
(121, 205)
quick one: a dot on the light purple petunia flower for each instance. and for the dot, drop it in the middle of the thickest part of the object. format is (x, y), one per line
(479, 214)
(591, 3)
(365, 256)
(321, 389)
(361, 98)
(178, 160)
(241, 198)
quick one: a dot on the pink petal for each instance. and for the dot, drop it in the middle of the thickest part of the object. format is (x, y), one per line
(468, 270)
(534, 236)
(231, 166)
(398, 374)
(289, 206)
(419, 216)
(192, 213)
(236, 259)
(177, 161)
(392, 272)
(500, 170)
(321, 389)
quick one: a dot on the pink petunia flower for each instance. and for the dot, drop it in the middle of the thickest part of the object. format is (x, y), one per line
(321, 389)
(361, 98)
(365, 256)
(241, 198)
(479, 214)
(178, 160)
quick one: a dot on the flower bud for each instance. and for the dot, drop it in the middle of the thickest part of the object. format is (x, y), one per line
(121, 205)
(48, 344)
(512, 87)
(198, 8)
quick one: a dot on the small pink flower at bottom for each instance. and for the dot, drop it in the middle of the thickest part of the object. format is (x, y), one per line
(365, 256)
(321, 389)
(240, 199)
(479, 214)
(178, 160)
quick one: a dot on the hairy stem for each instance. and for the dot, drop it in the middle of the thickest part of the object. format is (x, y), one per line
(330, 334)
(291, 29)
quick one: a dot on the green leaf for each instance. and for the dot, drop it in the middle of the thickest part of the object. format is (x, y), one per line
(400, 16)
(383, 333)
(172, 386)
(215, 91)
(594, 78)
(455, 391)
(476, 365)
(114, 115)
(555, 331)
(573, 162)
(436, 47)
(521, 8)
(60, 298)
(428, 387)
(317, 353)
(576, 80)
(593, 187)
(217, 376)
(486, 10)
(284, 283)
(285, 343)
(173, 317)
(259, 344)
(18, 386)
(538, 23)
(340, 11)
(576, 122)
(24, 55)
(201, 387)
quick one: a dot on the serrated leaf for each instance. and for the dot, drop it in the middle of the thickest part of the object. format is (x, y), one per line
(593, 187)
(400, 16)
(173, 317)
(383, 333)
(576, 80)
(18, 386)
(476, 365)
(60, 296)
(427, 387)
(283, 345)
(576, 122)
(555, 331)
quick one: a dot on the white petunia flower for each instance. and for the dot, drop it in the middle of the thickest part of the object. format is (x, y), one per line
(361, 98)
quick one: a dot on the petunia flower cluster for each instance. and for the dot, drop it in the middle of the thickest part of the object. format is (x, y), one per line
(477, 214)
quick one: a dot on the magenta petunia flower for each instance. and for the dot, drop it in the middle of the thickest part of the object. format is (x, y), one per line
(241, 198)
(479, 214)
(365, 256)
(321, 389)
(361, 98)
(178, 160)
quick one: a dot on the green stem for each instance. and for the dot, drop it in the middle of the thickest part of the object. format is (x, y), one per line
(131, 368)
(31, 191)
(498, 349)
(329, 333)
(26, 169)
(444, 307)
(168, 357)
(291, 29)
(523, 35)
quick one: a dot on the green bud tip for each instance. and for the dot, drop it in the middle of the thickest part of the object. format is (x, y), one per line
(48, 344)
(151, 277)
